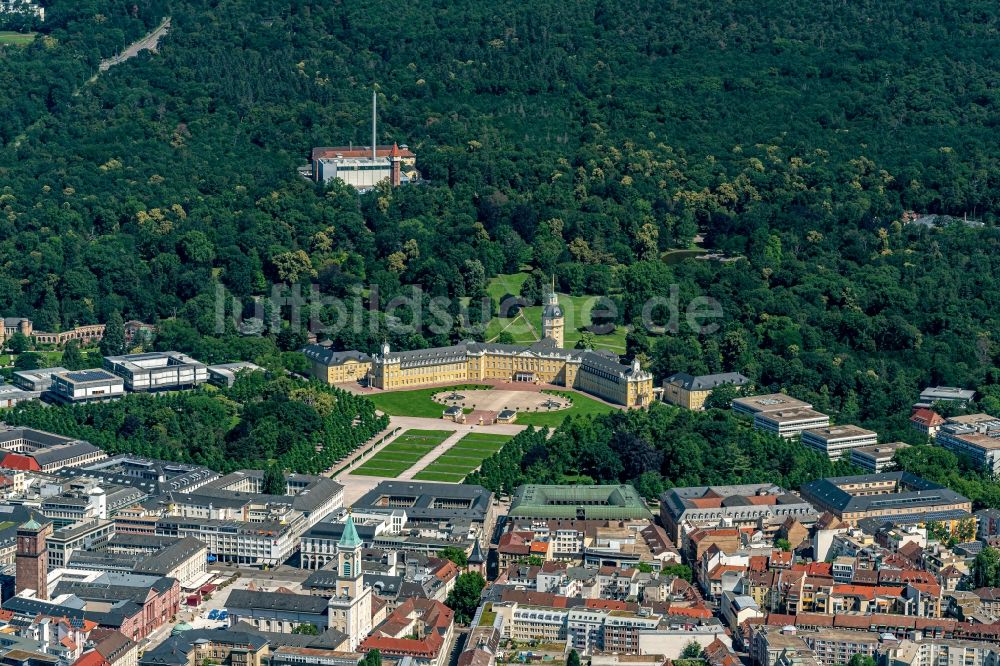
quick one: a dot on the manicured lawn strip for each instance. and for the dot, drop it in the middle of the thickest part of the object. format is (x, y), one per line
(416, 402)
(439, 435)
(582, 406)
(456, 461)
(450, 468)
(439, 476)
(400, 454)
(464, 456)
(388, 472)
(462, 445)
(483, 437)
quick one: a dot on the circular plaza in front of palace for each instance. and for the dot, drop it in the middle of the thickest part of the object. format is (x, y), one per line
(498, 400)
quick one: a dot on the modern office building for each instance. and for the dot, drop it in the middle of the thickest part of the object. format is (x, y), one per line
(157, 371)
(35, 380)
(79, 386)
(224, 374)
(770, 402)
(790, 423)
(836, 441)
(878, 458)
(974, 436)
(933, 394)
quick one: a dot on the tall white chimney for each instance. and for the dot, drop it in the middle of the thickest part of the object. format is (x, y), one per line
(374, 103)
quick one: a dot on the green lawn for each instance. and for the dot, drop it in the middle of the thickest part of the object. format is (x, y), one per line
(16, 38)
(416, 402)
(399, 455)
(466, 455)
(583, 405)
(576, 308)
(502, 285)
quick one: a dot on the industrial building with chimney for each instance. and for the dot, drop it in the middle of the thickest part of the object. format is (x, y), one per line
(364, 167)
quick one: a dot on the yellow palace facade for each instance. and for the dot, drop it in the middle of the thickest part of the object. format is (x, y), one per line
(598, 373)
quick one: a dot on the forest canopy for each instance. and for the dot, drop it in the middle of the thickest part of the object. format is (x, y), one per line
(583, 139)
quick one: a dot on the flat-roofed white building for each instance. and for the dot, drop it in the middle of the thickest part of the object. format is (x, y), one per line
(877, 458)
(35, 380)
(789, 423)
(771, 402)
(76, 386)
(157, 371)
(837, 440)
(975, 436)
(933, 394)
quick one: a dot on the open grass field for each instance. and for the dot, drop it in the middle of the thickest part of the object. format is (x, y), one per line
(583, 405)
(527, 327)
(16, 38)
(416, 402)
(399, 455)
(466, 455)
(502, 285)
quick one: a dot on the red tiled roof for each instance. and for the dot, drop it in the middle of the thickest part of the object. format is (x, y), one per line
(20, 462)
(359, 151)
(854, 591)
(814, 568)
(780, 619)
(690, 611)
(91, 658)
(932, 589)
(534, 598)
(813, 620)
(721, 569)
(610, 604)
(926, 417)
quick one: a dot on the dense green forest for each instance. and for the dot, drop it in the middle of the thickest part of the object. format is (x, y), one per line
(583, 139)
(301, 427)
(653, 449)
